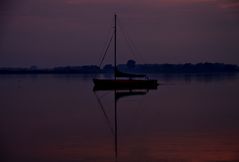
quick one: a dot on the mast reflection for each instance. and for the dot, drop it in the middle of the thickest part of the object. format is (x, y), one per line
(118, 93)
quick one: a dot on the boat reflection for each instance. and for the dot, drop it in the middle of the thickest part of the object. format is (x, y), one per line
(118, 94)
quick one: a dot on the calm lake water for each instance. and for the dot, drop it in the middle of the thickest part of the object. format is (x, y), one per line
(57, 118)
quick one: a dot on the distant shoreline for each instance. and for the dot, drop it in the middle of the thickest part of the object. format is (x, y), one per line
(187, 68)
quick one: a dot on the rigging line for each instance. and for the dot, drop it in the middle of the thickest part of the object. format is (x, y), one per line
(105, 94)
(126, 39)
(108, 46)
(105, 114)
(109, 33)
(137, 51)
(131, 43)
(127, 43)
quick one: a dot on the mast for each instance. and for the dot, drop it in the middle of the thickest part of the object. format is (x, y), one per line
(116, 129)
(115, 59)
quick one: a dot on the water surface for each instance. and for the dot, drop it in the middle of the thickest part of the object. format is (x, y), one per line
(58, 118)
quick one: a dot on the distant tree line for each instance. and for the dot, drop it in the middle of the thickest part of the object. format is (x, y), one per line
(130, 66)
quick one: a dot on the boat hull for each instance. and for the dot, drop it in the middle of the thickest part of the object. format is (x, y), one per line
(120, 84)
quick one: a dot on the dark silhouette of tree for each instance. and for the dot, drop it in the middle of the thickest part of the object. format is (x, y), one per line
(131, 64)
(108, 68)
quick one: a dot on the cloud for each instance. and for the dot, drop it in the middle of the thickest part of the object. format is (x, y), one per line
(232, 5)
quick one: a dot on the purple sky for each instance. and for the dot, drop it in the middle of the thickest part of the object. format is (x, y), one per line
(73, 32)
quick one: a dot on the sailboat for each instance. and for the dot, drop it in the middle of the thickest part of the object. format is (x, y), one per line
(117, 82)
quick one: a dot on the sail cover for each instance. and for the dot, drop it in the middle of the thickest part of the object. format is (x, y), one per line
(127, 75)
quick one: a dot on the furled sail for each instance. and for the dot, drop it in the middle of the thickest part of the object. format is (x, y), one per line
(127, 75)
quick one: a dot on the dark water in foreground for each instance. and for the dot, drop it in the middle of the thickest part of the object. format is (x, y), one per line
(58, 118)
